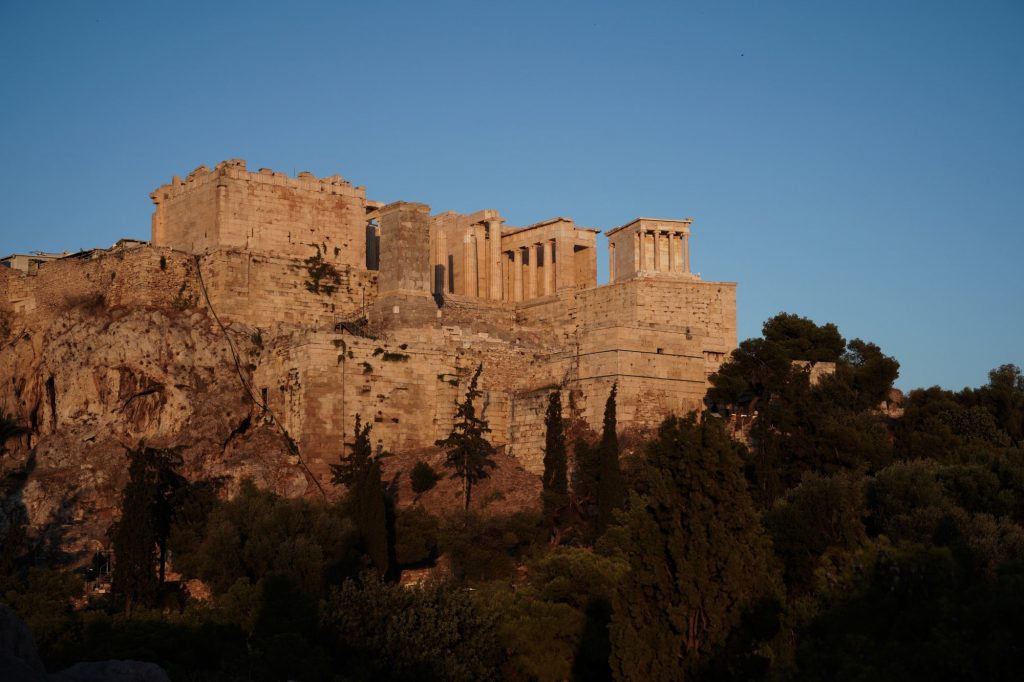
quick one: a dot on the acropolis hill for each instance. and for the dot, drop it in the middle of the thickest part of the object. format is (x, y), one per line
(336, 305)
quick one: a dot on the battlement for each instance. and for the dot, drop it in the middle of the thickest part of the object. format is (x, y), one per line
(236, 169)
(263, 212)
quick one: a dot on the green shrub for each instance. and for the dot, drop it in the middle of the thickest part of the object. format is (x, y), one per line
(423, 477)
(415, 536)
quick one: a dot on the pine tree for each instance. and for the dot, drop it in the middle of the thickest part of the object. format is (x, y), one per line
(368, 504)
(699, 558)
(555, 494)
(134, 538)
(610, 490)
(469, 452)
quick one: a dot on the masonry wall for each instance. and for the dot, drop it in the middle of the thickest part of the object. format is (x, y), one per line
(659, 339)
(317, 382)
(266, 291)
(265, 212)
(143, 276)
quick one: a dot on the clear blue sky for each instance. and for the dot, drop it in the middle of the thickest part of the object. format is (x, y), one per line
(855, 162)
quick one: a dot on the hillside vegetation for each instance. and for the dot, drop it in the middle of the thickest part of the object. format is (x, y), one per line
(812, 523)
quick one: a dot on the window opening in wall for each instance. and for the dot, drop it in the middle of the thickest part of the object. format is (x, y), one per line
(372, 245)
(661, 351)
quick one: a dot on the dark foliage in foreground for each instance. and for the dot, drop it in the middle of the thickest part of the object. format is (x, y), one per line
(843, 541)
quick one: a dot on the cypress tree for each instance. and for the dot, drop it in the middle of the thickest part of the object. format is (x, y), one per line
(555, 493)
(469, 452)
(610, 490)
(135, 538)
(368, 505)
(168, 486)
(699, 558)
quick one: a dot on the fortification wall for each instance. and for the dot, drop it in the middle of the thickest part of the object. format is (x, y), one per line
(554, 316)
(659, 339)
(264, 212)
(317, 382)
(266, 291)
(137, 277)
(8, 277)
(253, 290)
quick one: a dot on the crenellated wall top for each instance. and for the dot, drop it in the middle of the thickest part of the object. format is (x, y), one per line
(235, 170)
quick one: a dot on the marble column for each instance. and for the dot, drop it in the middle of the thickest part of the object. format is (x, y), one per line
(611, 262)
(686, 252)
(549, 267)
(638, 252)
(496, 258)
(545, 258)
(517, 275)
(469, 265)
(532, 254)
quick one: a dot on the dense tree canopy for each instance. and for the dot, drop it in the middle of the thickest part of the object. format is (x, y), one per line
(801, 339)
(699, 558)
(828, 425)
(813, 524)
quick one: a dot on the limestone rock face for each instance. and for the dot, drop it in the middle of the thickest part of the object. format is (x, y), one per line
(97, 382)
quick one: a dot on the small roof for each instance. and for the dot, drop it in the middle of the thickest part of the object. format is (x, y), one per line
(684, 221)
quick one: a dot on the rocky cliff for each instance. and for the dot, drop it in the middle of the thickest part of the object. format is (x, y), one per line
(92, 381)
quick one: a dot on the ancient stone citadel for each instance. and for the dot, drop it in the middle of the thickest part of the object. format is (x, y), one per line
(335, 305)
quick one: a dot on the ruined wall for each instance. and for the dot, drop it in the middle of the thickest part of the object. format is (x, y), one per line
(254, 290)
(141, 277)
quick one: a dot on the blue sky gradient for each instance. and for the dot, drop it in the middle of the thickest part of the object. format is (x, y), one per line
(859, 163)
